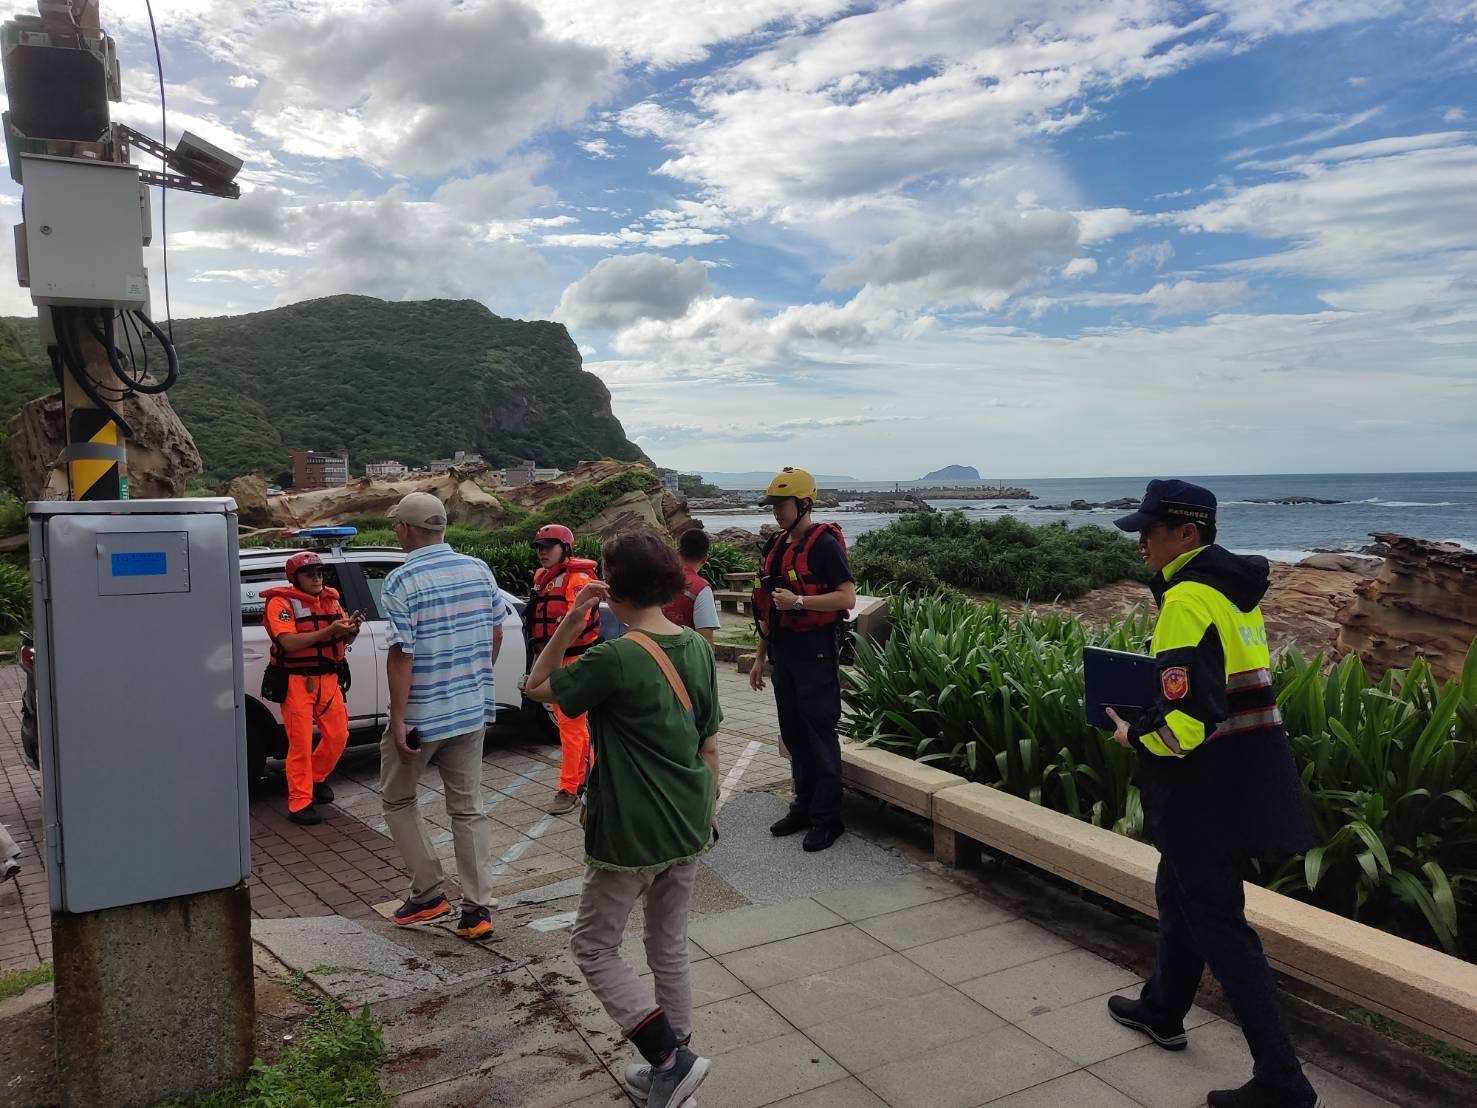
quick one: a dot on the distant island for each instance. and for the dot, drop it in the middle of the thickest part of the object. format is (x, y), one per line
(952, 473)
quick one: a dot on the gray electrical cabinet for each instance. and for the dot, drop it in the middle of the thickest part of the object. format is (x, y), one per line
(139, 699)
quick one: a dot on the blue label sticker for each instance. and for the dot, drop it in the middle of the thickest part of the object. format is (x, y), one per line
(141, 563)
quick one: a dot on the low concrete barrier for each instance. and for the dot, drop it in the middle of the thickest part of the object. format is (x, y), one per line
(1417, 986)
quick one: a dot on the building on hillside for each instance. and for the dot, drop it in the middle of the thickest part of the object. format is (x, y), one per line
(671, 484)
(547, 474)
(386, 471)
(460, 458)
(520, 474)
(320, 469)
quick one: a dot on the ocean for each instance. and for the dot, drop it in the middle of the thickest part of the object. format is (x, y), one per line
(1438, 506)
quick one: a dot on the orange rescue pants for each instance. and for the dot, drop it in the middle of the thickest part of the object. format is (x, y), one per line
(309, 700)
(574, 745)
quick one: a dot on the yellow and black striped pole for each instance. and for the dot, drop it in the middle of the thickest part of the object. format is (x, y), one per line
(96, 455)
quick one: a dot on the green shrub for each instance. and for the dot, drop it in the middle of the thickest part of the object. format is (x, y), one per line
(725, 558)
(964, 687)
(12, 515)
(920, 551)
(578, 507)
(1389, 767)
(15, 597)
(1391, 773)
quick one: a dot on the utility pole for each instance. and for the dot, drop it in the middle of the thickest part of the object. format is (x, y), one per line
(146, 856)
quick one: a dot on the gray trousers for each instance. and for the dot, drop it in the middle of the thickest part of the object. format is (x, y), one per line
(599, 926)
(459, 761)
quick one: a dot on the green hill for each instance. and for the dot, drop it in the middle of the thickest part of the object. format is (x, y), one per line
(410, 381)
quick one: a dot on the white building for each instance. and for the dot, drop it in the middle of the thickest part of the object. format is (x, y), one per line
(386, 471)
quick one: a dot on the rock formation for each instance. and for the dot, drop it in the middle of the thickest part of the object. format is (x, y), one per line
(161, 454)
(1423, 602)
(250, 495)
(466, 501)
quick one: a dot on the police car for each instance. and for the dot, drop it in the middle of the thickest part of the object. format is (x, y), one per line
(358, 573)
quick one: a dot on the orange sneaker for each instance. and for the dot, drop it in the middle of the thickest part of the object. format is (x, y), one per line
(476, 923)
(412, 912)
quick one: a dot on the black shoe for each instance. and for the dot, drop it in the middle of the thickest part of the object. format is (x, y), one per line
(1253, 1095)
(421, 912)
(1131, 1013)
(308, 816)
(819, 838)
(476, 923)
(322, 794)
(790, 825)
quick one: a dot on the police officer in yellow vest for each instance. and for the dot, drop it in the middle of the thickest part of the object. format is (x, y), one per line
(1219, 788)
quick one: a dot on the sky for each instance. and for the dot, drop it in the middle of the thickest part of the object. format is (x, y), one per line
(1039, 237)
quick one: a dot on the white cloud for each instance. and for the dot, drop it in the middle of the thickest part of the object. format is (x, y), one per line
(980, 261)
(1282, 17)
(1167, 298)
(1149, 255)
(624, 290)
(596, 148)
(508, 193)
(1454, 115)
(1080, 267)
(245, 276)
(243, 80)
(355, 87)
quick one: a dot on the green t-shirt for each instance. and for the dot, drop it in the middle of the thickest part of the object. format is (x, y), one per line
(650, 795)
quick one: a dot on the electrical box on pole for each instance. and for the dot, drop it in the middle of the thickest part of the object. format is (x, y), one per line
(132, 755)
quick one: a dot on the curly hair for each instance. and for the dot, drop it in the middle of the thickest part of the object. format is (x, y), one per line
(641, 569)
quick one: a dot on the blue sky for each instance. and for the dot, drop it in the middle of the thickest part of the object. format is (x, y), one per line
(1057, 237)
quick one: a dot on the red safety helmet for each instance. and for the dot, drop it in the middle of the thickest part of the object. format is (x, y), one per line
(299, 562)
(554, 532)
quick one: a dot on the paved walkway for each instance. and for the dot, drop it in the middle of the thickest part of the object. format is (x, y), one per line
(856, 977)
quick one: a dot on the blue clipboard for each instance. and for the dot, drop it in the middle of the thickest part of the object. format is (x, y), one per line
(1128, 683)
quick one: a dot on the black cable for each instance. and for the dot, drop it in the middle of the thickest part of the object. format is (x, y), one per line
(128, 338)
(69, 342)
(172, 374)
(129, 321)
(164, 165)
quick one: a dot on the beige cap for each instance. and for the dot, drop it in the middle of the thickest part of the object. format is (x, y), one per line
(420, 509)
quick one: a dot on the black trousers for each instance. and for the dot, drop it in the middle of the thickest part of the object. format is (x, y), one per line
(807, 695)
(1202, 921)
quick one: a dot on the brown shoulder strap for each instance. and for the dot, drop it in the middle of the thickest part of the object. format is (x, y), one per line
(669, 671)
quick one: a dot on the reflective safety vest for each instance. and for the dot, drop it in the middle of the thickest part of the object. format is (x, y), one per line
(680, 608)
(291, 611)
(1215, 669)
(787, 566)
(554, 590)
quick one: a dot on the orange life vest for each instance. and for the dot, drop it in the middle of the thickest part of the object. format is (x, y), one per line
(553, 592)
(306, 613)
(680, 608)
(787, 566)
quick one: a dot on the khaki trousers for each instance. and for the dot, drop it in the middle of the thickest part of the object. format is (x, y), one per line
(599, 926)
(459, 761)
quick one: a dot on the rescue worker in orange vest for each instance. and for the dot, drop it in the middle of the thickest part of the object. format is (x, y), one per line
(556, 583)
(310, 632)
(694, 606)
(805, 590)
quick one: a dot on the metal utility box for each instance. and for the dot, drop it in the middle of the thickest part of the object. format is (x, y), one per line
(139, 699)
(84, 241)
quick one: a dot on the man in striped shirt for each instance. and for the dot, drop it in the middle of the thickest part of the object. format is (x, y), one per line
(445, 615)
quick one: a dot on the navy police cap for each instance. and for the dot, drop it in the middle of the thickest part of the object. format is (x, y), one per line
(1170, 500)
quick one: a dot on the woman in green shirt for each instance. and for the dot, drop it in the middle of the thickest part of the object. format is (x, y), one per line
(650, 799)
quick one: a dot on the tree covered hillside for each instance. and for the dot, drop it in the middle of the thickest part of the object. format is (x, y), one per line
(410, 381)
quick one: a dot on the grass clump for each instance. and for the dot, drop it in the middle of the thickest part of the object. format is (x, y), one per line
(334, 1063)
(15, 982)
(15, 597)
(923, 551)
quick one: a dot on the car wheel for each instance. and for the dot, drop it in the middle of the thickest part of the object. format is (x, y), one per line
(261, 739)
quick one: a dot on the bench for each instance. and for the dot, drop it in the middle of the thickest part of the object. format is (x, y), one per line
(741, 579)
(732, 600)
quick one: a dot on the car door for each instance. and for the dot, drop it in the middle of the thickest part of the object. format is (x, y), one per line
(365, 666)
(374, 571)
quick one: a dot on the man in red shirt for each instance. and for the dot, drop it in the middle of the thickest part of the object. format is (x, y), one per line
(694, 606)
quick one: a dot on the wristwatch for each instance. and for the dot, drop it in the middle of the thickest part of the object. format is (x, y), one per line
(799, 603)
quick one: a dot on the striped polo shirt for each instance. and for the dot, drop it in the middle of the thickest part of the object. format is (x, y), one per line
(441, 607)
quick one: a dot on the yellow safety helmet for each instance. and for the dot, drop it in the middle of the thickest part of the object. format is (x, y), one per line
(790, 482)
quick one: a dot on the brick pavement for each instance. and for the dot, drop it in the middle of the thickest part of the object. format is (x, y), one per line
(348, 864)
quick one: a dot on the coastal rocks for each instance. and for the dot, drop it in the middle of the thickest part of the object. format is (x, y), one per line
(909, 502)
(1291, 500)
(638, 509)
(466, 501)
(1122, 504)
(1345, 563)
(161, 454)
(250, 494)
(1422, 603)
